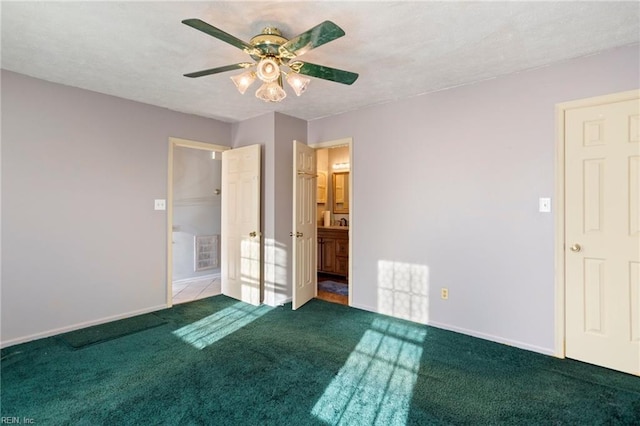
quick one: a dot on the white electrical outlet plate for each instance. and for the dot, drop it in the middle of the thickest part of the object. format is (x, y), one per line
(444, 293)
(160, 205)
(545, 205)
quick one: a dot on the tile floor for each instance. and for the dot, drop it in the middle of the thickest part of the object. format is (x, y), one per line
(198, 288)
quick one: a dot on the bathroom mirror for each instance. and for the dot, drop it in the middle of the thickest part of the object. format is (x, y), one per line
(340, 192)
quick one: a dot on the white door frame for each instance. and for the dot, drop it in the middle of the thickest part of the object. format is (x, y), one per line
(559, 245)
(333, 144)
(173, 143)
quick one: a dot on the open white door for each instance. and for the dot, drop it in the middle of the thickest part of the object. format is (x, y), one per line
(304, 224)
(241, 246)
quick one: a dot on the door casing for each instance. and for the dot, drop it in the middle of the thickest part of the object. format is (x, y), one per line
(560, 244)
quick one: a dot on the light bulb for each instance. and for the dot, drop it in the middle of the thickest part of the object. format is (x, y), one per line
(268, 70)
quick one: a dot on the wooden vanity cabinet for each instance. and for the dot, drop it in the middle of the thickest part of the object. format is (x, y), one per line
(333, 251)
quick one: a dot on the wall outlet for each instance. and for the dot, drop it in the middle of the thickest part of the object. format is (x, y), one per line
(159, 204)
(444, 293)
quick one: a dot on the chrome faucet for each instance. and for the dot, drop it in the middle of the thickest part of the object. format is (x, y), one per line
(344, 222)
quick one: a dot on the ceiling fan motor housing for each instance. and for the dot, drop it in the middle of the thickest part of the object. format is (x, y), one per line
(268, 42)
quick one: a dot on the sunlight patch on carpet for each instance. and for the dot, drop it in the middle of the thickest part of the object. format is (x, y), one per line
(376, 383)
(209, 330)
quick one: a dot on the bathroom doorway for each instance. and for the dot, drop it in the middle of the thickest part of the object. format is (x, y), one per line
(194, 214)
(333, 214)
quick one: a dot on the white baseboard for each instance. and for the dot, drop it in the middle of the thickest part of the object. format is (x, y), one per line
(492, 338)
(279, 302)
(56, 331)
(478, 334)
(202, 277)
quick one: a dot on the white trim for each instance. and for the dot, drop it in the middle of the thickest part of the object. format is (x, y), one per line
(275, 303)
(197, 145)
(473, 333)
(334, 144)
(559, 243)
(493, 338)
(202, 277)
(173, 143)
(79, 326)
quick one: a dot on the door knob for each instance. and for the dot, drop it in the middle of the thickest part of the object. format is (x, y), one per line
(253, 234)
(298, 234)
(575, 248)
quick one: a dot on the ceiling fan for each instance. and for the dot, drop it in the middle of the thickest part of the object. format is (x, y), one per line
(275, 57)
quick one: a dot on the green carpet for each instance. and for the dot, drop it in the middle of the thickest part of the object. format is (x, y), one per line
(112, 330)
(221, 362)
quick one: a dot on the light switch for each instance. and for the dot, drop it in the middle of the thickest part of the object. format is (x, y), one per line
(160, 205)
(545, 205)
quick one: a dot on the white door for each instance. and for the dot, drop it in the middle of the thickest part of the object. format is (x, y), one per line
(241, 246)
(304, 224)
(602, 235)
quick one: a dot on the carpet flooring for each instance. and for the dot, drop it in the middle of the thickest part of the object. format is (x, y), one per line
(111, 330)
(217, 361)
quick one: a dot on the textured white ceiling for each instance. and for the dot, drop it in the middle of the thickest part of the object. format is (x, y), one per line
(140, 50)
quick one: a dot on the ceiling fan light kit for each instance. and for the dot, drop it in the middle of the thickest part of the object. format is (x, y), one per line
(273, 53)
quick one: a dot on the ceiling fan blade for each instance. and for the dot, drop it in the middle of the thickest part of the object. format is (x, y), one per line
(326, 73)
(219, 34)
(310, 39)
(219, 69)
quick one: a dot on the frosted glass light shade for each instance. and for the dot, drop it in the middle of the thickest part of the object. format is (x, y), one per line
(244, 80)
(271, 92)
(268, 70)
(297, 82)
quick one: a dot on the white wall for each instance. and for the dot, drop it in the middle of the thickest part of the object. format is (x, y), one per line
(80, 170)
(445, 194)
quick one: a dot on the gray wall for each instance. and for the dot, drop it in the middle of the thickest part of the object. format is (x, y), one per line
(445, 190)
(275, 132)
(448, 183)
(287, 130)
(80, 171)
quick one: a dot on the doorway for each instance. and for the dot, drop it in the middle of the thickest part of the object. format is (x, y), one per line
(333, 216)
(194, 220)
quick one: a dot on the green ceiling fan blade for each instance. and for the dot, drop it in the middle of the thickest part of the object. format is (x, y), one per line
(326, 73)
(219, 34)
(317, 36)
(219, 69)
